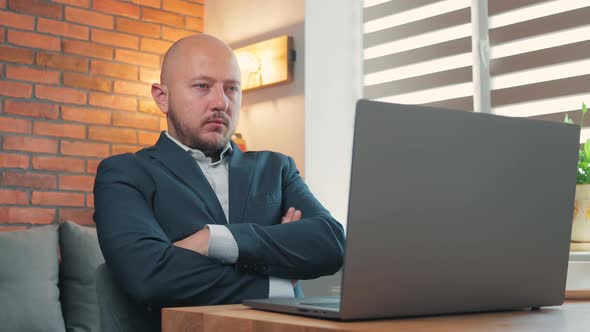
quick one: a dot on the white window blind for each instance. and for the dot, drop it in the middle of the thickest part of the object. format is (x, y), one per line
(418, 52)
(540, 58)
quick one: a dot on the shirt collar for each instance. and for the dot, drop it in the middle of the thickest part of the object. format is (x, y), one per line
(198, 154)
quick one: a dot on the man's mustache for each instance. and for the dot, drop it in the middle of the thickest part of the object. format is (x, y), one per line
(218, 116)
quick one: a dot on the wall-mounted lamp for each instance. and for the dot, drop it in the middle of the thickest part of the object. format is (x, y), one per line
(266, 63)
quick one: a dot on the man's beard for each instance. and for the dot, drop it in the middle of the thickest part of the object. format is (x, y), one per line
(210, 149)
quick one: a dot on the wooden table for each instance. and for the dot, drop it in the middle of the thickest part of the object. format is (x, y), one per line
(571, 317)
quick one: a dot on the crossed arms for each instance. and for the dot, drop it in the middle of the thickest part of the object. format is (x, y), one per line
(153, 270)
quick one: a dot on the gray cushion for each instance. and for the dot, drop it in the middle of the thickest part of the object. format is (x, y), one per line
(29, 293)
(80, 255)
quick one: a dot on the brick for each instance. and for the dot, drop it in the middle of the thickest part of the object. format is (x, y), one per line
(110, 101)
(1, 35)
(89, 17)
(87, 49)
(116, 8)
(84, 149)
(132, 88)
(30, 144)
(149, 106)
(79, 216)
(85, 115)
(183, 7)
(160, 16)
(31, 109)
(36, 7)
(121, 148)
(13, 160)
(172, 34)
(149, 75)
(57, 198)
(13, 54)
(62, 28)
(128, 72)
(2, 3)
(79, 3)
(8, 196)
(150, 3)
(147, 138)
(138, 58)
(34, 40)
(89, 200)
(117, 135)
(59, 130)
(18, 21)
(29, 215)
(115, 39)
(63, 164)
(87, 82)
(32, 75)
(154, 45)
(163, 124)
(92, 165)
(138, 27)
(15, 89)
(60, 95)
(194, 24)
(29, 180)
(76, 182)
(64, 62)
(13, 125)
(136, 120)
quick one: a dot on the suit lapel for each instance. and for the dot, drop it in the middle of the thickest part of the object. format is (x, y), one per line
(183, 166)
(241, 171)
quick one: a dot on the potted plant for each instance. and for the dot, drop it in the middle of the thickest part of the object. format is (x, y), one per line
(581, 222)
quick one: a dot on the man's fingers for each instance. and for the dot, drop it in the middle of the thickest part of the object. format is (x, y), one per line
(288, 216)
(296, 215)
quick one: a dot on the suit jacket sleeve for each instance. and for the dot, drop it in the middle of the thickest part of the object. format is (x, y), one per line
(141, 256)
(305, 249)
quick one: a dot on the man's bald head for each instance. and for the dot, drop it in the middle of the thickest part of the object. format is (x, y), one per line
(182, 50)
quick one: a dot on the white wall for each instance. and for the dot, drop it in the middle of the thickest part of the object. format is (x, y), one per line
(271, 118)
(333, 69)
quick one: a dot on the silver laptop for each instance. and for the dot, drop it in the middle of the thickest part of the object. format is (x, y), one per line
(451, 212)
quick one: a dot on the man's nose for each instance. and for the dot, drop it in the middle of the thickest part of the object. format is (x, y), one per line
(219, 100)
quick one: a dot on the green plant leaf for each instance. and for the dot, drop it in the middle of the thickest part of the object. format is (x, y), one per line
(584, 108)
(587, 150)
(567, 119)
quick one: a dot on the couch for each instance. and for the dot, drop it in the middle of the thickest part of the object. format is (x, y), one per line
(47, 279)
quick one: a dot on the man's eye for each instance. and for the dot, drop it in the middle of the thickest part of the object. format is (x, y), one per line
(202, 85)
(233, 88)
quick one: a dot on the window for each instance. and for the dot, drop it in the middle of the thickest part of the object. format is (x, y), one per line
(420, 52)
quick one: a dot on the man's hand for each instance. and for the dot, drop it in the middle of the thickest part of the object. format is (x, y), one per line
(291, 215)
(198, 242)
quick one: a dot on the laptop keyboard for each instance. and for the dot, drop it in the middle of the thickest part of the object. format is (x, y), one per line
(331, 304)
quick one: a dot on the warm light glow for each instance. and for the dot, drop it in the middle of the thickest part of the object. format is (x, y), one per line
(265, 63)
(419, 69)
(426, 39)
(535, 11)
(415, 14)
(431, 95)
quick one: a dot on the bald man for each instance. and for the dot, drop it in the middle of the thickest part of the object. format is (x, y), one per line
(193, 220)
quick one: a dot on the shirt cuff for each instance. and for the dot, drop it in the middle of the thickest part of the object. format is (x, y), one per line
(222, 244)
(280, 288)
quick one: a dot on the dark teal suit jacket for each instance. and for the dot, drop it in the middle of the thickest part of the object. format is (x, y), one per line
(146, 201)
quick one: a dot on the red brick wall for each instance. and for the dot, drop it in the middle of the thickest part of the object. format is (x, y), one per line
(75, 81)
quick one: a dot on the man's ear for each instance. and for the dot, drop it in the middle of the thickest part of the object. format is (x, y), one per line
(160, 95)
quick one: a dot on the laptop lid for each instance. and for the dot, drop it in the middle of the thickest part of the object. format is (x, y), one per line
(454, 211)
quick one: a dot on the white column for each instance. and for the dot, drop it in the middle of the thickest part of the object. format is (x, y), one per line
(333, 83)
